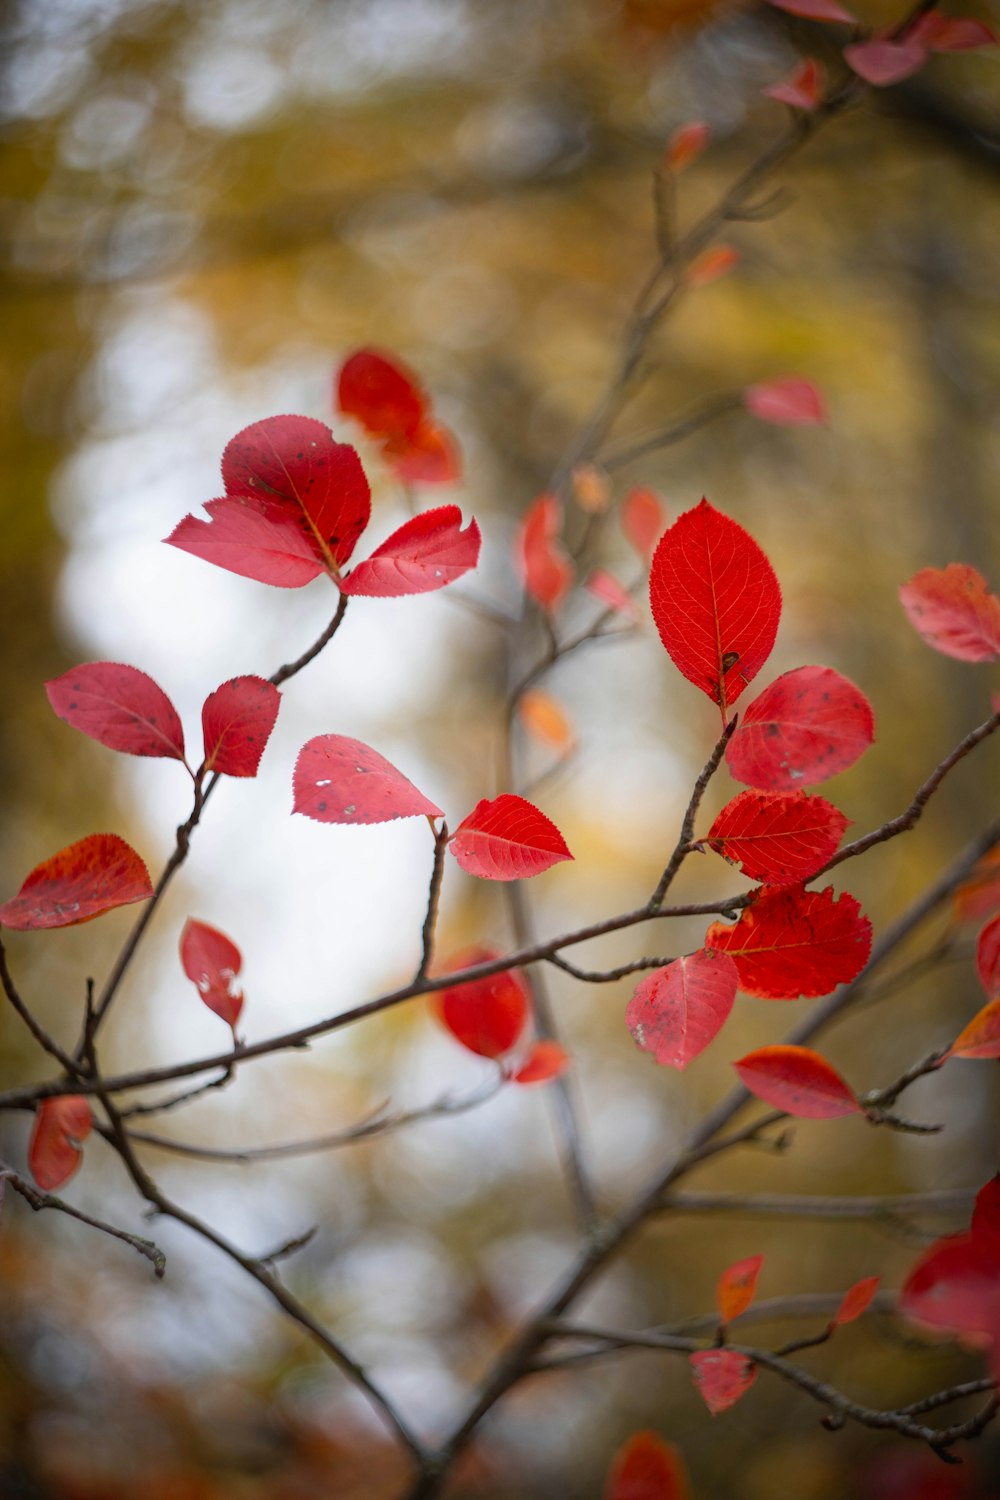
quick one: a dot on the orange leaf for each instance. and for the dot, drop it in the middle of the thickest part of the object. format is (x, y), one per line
(981, 1038)
(647, 1468)
(979, 895)
(544, 1061)
(713, 264)
(737, 1286)
(78, 884)
(686, 145)
(546, 720)
(591, 488)
(857, 1299)
(53, 1152)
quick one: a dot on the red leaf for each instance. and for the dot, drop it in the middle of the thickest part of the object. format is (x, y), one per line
(212, 961)
(952, 33)
(716, 602)
(815, 10)
(882, 61)
(486, 1015)
(856, 1300)
(678, 1010)
(792, 943)
(542, 565)
(712, 264)
(810, 724)
(985, 1226)
(721, 1377)
(647, 1468)
(78, 884)
(236, 721)
(605, 586)
(798, 1081)
(955, 1285)
(381, 394)
(981, 1038)
(988, 957)
(120, 707)
(427, 552)
(252, 537)
(788, 401)
(339, 780)
(955, 611)
(803, 89)
(53, 1152)
(507, 839)
(545, 1061)
(643, 518)
(429, 456)
(779, 838)
(686, 145)
(736, 1287)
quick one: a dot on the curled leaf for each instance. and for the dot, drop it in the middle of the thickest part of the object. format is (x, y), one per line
(81, 882)
(427, 552)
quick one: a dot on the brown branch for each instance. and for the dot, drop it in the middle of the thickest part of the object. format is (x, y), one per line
(876, 1207)
(433, 899)
(38, 1201)
(683, 845)
(618, 455)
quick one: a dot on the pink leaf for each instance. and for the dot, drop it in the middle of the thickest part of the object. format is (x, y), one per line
(252, 537)
(237, 720)
(952, 33)
(643, 518)
(79, 883)
(120, 707)
(678, 1010)
(787, 401)
(339, 780)
(427, 552)
(798, 1081)
(955, 611)
(882, 61)
(212, 961)
(605, 586)
(811, 723)
(721, 1377)
(507, 839)
(804, 89)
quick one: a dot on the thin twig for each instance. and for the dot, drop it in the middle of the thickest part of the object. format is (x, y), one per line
(433, 899)
(626, 451)
(37, 1030)
(683, 845)
(38, 1201)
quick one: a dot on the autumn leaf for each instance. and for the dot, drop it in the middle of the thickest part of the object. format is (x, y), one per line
(488, 1015)
(237, 720)
(678, 1010)
(954, 1284)
(546, 720)
(591, 488)
(815, 10)
(212, 961)
(711, 265)
(120, 707)
(721, 1377)
(545, 1060)
(377, 390)
(605, 586)
(427, 552)
(647, 1468)
(736, 1287)
(988, 957)
(803, 89)
(81, 882)
(507, 838)
(941, 33)
(857, 1299)
(715, 601)
(643, 518)
(981, 1038)
(884, 60)
(686, 145)
(253, 537)
(810, 724)
(54, 1149)
(797, 1081)
(979, 895)
(778, 838)
(955, 611)
(340, 780)
(791, 942)
(787, 401)
(542, 565)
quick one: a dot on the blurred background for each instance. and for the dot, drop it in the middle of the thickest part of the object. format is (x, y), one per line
(206, 206)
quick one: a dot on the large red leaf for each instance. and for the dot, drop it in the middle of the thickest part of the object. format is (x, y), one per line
(803, 89)
(981, 1038)
(212, 961)
(856, 1300)
(236, 721)
(386, 398)
(545, 1060)
(678, 1010)
(79, 883)
(884, 61)
(120, 706)
(815, 10)
(716, 602)
(955, 1285)
(486, 1015)
(792, 943)
(647, 1468)
(955, 611)
(779, 838)
(427, 552)
(643, 518)
(340, 780)
(721, 1377)
(736, 1287)
(253, 537)
(542, 565)
(53, 1151)
(787, 401)
(810, 724)
(507, 838)
(797, 1080)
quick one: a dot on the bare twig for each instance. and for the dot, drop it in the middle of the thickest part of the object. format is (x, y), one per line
(433, 898)
(683, 845)
(37, 1030)
(38, 1201)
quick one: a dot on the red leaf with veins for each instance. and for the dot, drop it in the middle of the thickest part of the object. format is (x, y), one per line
(212, 961)
(804, 89)
(507, 838)
(779, 838)
(254, 538)
(643, 518)
(787, 401)
(955, 611)
(883, 61)
(427, 552)
(120, 707)
(815, 10)
(721, 1377)
(737, 1286)
(340, 780)
(53, 1151)
(678, 1010)
(810, 724)
(546, 1060)
(798, 1081)
(647, 1468)
(790, 942)
(236, 721)
(79, 883)
(715, 601)
(857, 1299)
(486, 1015)
(542, 565)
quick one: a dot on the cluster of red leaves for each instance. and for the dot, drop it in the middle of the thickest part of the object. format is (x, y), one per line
(955, 1284)
(488, 1016)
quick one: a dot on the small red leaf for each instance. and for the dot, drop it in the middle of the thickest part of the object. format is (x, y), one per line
(53, 1151)
(340, 780)
(712, 264)
(815, 10)
(715, 601)
(386, 398)
(545, 1061)
(605, 586)
(678, 1010)
(721, 1377)
(810, 724)
(736, 1287)
(686, 145)
(857, 1299)
(120, 707)
(212, 961)
(486, 1015)
(788, 401)
(236, 721)
(252, 537)
(647, 1468)
(883, 61)
(507, 839)
(791, 943)
(981, 1038)
(427, 552)
(952, 33)
(988, 957)
(542, 565)
(78, 884)
(955, 611)
(643, 518)
(798, 1081)
(803, 89)
(779, 838)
